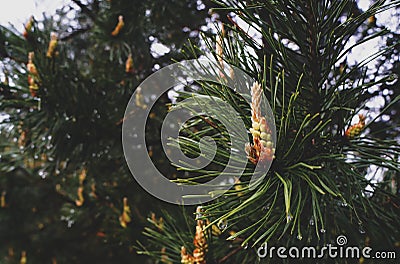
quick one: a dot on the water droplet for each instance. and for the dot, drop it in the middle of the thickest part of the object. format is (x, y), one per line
(199, 212)
(266, 207)
(392, 79)
(361, 228)
(312, 222)
(68, 136)
(299, 237)
(42, 174)
(245, 245)
(323, 230)
(222, 224)
(289, 218)
(70, 223)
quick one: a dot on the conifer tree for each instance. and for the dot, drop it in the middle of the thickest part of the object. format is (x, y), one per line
(66, 193)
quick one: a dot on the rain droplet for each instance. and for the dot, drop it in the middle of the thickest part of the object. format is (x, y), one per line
(323, 230)
(392, 79)
(199, 212)
(361, 228)
(311, 222)
(299, 237)
(289, 218)
(68, 136)
(222, 224)
(266, 207)
(70, 223)
(245, 245)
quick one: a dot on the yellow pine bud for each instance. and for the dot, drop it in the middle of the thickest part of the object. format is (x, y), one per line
(93, 190)
(52, 45)
(28, 27)
(119, 26)
(3, 199)
(157, 222)
(164, 257)
(185, 257)
(80, 200)
(82, 176)
(31, 66)
(372, 20)
(125, 217)
(129, 64)
(23, 258)
(256, 95)
(355, 130)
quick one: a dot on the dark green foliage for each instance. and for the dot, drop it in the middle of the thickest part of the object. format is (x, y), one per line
(317, 187)
(74, 125)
